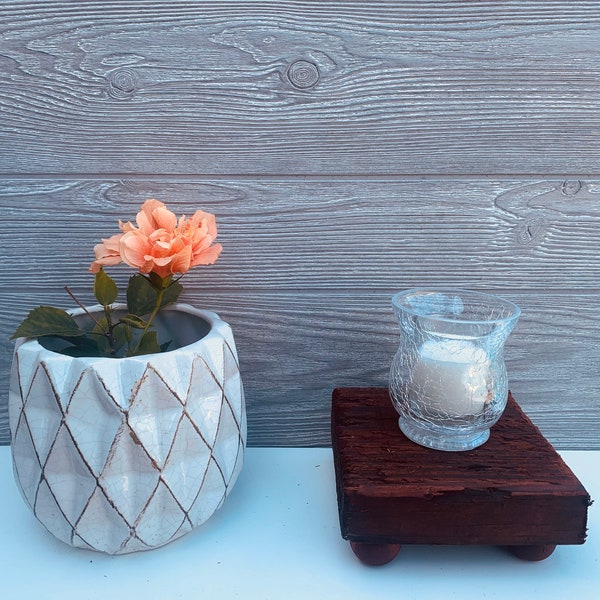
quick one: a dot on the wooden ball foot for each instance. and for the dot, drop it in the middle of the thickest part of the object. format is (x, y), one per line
(375, 554)
(532, 553)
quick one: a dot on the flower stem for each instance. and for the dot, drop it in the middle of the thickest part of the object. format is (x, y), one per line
(159, 297)
(108, 332)
(87, 312)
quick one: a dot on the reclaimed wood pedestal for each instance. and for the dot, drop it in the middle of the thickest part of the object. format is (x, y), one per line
(513, 491)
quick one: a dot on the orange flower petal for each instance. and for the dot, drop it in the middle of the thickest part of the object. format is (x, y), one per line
(182, 260)
(164, 219)
(134, 248)
(208, 256)
(107, 253)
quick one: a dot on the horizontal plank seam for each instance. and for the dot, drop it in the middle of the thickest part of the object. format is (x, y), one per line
(295, 176)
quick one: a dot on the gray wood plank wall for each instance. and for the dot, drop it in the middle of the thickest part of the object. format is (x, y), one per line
(349, 150)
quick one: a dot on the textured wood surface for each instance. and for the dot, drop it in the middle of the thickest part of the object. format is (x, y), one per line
(307, 285)
(349, 150)
(513, 490)
(300, 87)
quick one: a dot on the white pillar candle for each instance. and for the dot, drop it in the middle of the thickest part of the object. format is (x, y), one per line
(451, 378)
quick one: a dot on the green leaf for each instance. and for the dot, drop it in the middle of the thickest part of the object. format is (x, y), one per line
(133, 321)
(47, 320)
(100, 329)
(105, 289)
(83, 346)
(148, 344)
(72, 346)
(122, 337)
(171, 294)
(100, 325)
(141, 296)
(75, 351)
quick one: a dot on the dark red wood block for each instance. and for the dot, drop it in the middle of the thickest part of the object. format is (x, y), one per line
(514, 491)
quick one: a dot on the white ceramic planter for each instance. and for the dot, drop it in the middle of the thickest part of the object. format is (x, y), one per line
(128, 454)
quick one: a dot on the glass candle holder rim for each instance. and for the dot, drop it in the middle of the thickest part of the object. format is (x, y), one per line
(514, 311)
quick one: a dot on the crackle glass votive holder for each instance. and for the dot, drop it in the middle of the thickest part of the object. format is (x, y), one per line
(448, 379)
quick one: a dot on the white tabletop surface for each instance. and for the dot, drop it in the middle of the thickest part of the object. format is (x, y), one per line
(277, 537)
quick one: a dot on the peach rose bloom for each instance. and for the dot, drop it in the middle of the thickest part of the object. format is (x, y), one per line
(107, 253)
(161, 243)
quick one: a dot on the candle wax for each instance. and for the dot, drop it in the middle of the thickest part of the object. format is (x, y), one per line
(450, 377)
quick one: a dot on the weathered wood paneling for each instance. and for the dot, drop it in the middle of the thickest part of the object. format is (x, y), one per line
(349, 150)
(310, 234)
(405, 87)
(306, 284)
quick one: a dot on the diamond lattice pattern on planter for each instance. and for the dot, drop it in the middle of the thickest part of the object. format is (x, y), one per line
(131, 459)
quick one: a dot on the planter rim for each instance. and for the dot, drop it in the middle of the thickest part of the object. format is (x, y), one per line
(210, 317)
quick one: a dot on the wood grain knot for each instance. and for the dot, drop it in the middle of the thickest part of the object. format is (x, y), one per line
(570, 187)
(122, 83)
(531, 231)
(303, 74)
